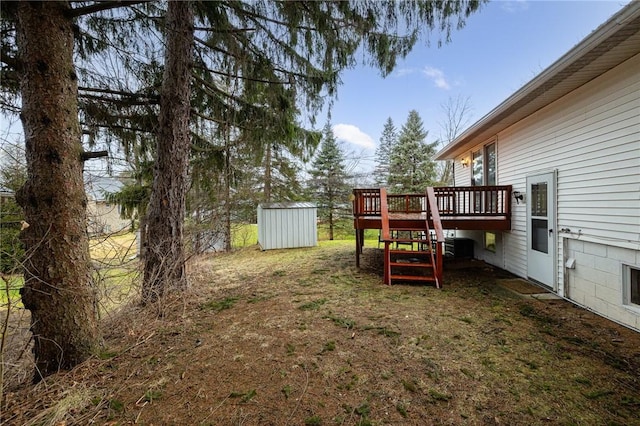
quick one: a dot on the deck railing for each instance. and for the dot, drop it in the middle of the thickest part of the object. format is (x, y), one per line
(452, 201)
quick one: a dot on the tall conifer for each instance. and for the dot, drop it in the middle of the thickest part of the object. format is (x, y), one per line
(412, 168)
(329, 179)
(388, 139)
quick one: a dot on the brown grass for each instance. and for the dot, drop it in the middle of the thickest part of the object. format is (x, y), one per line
(303, 337)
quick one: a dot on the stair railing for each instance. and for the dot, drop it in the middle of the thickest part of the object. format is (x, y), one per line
(437, 227)
(386, 237)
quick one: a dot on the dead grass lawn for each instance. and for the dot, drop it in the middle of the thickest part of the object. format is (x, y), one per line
(302, 337)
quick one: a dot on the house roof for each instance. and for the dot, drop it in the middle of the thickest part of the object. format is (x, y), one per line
(612, 43)
(288, 205)
(96, 186)
(6, 192)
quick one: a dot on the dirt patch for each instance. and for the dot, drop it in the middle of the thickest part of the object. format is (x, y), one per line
(302, 337)
(521, 286)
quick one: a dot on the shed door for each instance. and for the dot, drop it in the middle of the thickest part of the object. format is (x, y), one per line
(541, 235)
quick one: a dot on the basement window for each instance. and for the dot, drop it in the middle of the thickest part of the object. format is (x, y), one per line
(490, 241)
(632, 284)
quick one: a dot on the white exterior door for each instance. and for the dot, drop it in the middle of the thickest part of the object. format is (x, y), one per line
(541, 232)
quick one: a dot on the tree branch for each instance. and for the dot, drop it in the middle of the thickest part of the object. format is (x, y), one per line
(232, 30)
(119, 93)
(122, 102)
(118, 127)
(233, 55)
(88, 155)
(216, 89)
(243, 77)
(100, 6)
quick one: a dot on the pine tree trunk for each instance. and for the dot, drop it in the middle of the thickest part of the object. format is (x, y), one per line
(267, 174)
(165, 256)
(142, 230)
(58, 287)
(331, 224)
(227, 192)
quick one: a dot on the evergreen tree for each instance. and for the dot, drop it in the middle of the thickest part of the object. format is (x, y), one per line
(412, 168)
(164, 259)
(58, 286)
(329, 179)
(383, 153)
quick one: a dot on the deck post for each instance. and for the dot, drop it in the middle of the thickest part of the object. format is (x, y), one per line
(440, 263)
(386, 279)
(358, 247)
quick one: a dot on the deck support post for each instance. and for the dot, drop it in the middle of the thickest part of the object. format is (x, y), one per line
(440, 263)
(387, 264)
(359, 236)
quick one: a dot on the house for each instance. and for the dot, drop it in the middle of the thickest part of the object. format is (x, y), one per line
(9, 212)
(5, 195)
(103, 217)
(568, 143)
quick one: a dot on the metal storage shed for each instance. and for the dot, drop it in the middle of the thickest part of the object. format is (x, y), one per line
(287, 225)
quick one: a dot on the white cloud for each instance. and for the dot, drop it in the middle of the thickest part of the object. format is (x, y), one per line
(401, 72)
(514, 6)
(437, 76)
(352, 134)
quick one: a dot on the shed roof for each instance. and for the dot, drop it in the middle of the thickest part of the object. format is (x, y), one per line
(96, 186)
(612, 43)
(288, 205)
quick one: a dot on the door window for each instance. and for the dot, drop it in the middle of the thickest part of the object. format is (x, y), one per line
(539, 240)
(539, 221)
(539, 199)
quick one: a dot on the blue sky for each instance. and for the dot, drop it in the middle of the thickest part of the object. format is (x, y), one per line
(501, 48)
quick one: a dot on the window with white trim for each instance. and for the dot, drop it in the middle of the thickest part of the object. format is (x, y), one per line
(632, 285)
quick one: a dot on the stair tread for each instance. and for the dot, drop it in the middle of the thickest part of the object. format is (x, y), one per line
(412, 264)
(413, 277)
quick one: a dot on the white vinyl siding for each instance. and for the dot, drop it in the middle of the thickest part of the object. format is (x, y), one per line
(461, 175)
(592, 137)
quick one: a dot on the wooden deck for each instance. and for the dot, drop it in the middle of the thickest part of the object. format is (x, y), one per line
(441, 208)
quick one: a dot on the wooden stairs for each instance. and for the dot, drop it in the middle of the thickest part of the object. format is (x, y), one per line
(420, 258)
